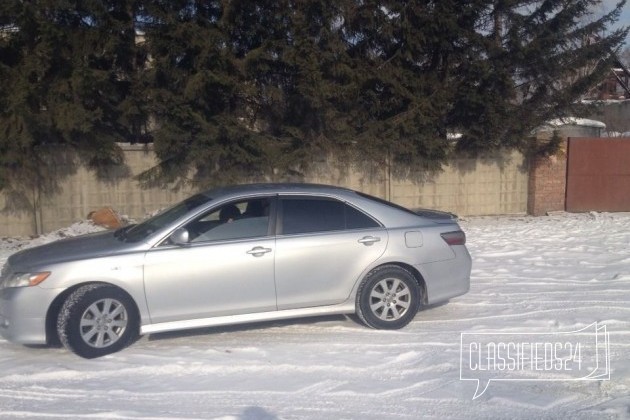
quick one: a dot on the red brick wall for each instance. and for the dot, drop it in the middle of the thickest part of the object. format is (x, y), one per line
(547, 183)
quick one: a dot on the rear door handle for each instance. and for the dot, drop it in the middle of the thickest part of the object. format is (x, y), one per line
(369, 240)
(258, 251)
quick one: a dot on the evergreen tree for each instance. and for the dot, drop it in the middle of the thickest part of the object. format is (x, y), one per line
(238, 87)
(230, 90)
(193, 93)
(292, 59)
(533, 63)
(490, 70)
(406, 57)
(65, 73)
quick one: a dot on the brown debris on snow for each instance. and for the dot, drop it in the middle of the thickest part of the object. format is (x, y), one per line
(106, 217)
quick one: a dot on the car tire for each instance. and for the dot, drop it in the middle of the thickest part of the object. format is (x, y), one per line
(96, 320)
(388, 298)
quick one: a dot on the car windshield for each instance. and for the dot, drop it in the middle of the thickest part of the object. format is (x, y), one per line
(141, 231)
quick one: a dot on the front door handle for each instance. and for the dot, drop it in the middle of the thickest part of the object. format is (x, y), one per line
(369, 240)
(258, 251)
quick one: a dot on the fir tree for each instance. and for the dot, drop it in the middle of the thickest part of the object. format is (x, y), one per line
(406, 57)
(64, 68)
(235, 90)
(193, 94)
(533, 63)
(238, 88)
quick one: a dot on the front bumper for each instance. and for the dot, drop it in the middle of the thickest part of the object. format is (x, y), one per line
(23, 314)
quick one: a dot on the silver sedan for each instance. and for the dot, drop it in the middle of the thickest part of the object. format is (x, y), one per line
(234, 255)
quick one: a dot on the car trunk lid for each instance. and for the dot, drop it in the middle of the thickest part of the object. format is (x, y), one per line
(437, 216)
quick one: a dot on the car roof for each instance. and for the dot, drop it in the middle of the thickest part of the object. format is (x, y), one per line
(284, 187)
(389, 214)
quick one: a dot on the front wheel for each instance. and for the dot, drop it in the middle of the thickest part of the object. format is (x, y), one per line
(96, 320)
(388, 298)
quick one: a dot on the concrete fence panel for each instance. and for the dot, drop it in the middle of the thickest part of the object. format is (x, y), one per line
(485, 186)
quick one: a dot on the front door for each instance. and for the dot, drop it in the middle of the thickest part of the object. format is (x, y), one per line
(226, 269)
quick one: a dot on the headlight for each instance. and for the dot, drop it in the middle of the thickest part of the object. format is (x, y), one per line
(25, 279)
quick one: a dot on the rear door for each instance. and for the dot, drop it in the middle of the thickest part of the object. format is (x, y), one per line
(322, 247)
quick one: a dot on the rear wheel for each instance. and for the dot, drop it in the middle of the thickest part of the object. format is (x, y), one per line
(97, 320)
(388, 298)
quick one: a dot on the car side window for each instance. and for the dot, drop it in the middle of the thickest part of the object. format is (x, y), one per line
(356, 219)
(309, 215)
(236, 220)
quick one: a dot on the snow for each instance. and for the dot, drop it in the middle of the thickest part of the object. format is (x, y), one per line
(551, 274)
(625, 134)
(581, 122)
(570, 121)
(604, 101)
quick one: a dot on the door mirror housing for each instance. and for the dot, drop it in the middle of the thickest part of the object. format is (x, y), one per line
(180, 237)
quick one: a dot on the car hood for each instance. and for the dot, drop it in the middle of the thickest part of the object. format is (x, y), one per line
(81, 247)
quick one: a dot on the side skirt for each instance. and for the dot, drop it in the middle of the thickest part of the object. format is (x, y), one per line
(343, 308)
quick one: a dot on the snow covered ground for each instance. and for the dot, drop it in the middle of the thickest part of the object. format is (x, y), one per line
(535, 275)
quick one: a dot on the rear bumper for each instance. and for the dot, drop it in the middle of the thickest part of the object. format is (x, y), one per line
(447, 279)
(23, 314)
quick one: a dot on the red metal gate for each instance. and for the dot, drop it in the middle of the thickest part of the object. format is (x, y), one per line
(598, 174)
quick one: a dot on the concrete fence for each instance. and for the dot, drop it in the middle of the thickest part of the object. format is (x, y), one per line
(496, 185)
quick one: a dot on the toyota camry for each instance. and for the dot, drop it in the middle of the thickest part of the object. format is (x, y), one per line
(234, 255)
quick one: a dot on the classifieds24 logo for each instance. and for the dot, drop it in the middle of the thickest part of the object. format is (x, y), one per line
(581, 355)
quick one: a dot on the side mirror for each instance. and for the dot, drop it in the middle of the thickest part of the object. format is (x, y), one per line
(180, 237)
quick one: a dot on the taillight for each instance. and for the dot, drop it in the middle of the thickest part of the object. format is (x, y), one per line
(454, 238)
